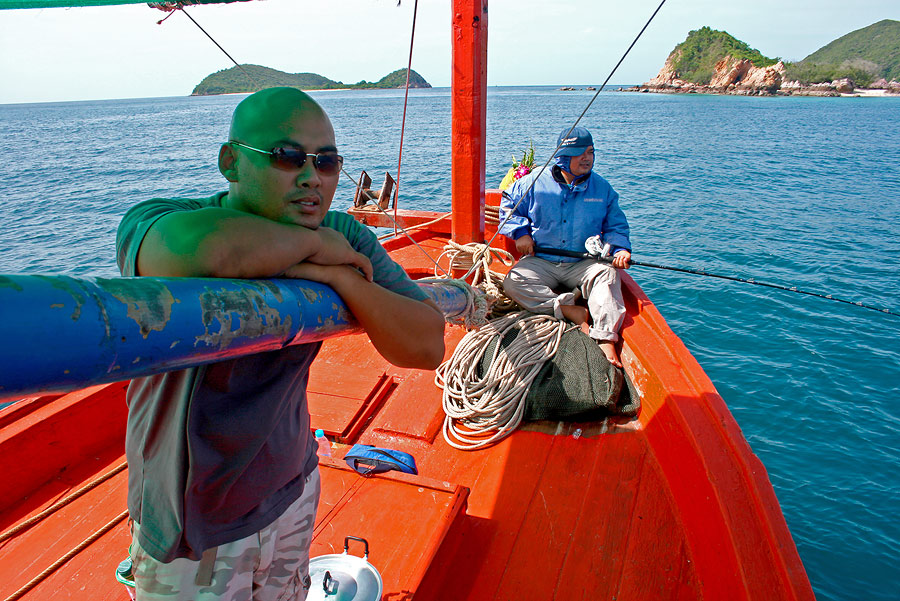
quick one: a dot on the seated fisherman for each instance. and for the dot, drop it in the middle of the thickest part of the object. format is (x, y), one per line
(561, 208)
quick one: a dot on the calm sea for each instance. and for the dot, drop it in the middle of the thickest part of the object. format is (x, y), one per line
(795, 191)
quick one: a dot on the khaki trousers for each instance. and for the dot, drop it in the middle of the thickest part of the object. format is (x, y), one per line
(271, 565)
(532, 283)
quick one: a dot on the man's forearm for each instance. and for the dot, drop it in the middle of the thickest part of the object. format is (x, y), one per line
(406, 332)
(224, 243)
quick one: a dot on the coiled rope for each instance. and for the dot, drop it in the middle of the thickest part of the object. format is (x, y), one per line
(482, 410)
(477, 303)
(476, 260)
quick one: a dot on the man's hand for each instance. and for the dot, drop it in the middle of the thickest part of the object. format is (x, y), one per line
(525, 245)
(335, 250)
(324, 274)
(406, 332)
(622, 259)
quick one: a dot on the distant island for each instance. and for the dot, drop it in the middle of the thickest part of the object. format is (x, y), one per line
(865, 61)
(250, 78)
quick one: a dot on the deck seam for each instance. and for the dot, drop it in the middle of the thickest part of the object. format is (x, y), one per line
(581, 513)
(531, 500)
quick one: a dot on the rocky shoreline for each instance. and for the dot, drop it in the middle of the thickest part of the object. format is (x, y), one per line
(739, 77)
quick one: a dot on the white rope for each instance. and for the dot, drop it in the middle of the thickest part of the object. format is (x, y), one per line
(477, 303)
(482, 410)
(477, 259)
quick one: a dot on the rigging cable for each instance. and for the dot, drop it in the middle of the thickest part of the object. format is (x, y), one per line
(180, 6)
(412, 37)
(494, 299)
(397, 225)
(577, 121)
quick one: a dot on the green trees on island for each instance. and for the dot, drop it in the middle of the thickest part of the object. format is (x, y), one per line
(250, 78)
(696, 57)
(863, 56)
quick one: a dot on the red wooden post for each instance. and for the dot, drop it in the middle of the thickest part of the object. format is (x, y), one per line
(469, 94)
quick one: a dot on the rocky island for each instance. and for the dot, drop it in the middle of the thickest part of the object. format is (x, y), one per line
(866, 61)
(250, 78)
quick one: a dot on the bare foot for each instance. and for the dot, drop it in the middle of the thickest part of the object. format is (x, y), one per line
(577, 315)
(609, 349)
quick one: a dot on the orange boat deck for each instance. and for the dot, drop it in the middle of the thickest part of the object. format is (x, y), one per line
(672, 505)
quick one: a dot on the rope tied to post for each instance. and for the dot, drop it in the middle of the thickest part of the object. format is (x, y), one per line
(476, 259)
(477, 304)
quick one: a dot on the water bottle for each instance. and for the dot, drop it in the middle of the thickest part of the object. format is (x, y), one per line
(324, 444)
(125, 575)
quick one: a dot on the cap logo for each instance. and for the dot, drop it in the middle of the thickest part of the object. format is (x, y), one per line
(569, 141)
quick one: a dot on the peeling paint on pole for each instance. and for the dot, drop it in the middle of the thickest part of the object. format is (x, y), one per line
(61, 333)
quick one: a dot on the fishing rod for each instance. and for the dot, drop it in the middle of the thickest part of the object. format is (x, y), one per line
(607, 259)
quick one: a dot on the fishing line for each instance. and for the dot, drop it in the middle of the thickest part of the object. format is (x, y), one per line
(572, 253)
(574, 125)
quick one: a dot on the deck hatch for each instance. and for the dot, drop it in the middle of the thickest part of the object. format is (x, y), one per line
(343, 398)
(404, 518)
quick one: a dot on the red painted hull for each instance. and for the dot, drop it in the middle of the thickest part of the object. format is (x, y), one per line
(673, 505)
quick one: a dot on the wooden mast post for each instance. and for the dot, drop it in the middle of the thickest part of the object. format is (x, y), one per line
(468, 110)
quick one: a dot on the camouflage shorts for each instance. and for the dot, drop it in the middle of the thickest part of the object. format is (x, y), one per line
(271, 565)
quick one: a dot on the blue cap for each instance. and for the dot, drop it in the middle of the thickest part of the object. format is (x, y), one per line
(320, 433)
(575, 143)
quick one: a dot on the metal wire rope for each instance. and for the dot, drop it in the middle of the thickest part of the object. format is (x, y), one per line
(397, 225)
(412, 37)
(575, 124)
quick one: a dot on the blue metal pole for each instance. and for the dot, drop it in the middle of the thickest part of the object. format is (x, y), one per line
(59, 333)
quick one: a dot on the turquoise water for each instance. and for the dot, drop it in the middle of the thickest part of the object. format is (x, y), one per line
(795, 191)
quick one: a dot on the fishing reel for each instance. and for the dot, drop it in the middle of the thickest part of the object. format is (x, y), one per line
(596, 247)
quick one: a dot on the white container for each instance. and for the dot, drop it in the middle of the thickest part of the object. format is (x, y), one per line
(344, 577)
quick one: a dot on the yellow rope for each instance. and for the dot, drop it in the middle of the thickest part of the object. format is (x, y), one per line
(72, 553)
(62, 502)
(491, 215)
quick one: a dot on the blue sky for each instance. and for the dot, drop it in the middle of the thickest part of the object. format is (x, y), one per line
(121, 52)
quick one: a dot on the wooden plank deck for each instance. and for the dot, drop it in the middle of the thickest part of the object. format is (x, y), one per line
(673, 506)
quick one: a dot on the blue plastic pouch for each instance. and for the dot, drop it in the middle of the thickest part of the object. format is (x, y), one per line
(367, 460)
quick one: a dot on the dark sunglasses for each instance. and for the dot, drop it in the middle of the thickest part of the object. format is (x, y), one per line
(295, 158)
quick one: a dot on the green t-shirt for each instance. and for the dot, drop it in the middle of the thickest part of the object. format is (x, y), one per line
(219, 451)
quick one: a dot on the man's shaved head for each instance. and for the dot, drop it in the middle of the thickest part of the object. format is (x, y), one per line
(262, 117)
(279, 118)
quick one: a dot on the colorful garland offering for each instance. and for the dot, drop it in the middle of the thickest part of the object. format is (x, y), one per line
(519, 168)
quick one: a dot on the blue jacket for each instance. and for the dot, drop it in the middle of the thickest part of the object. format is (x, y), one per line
(563, 216)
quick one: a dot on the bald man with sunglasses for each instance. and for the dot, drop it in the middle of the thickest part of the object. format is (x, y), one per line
(223, 479)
